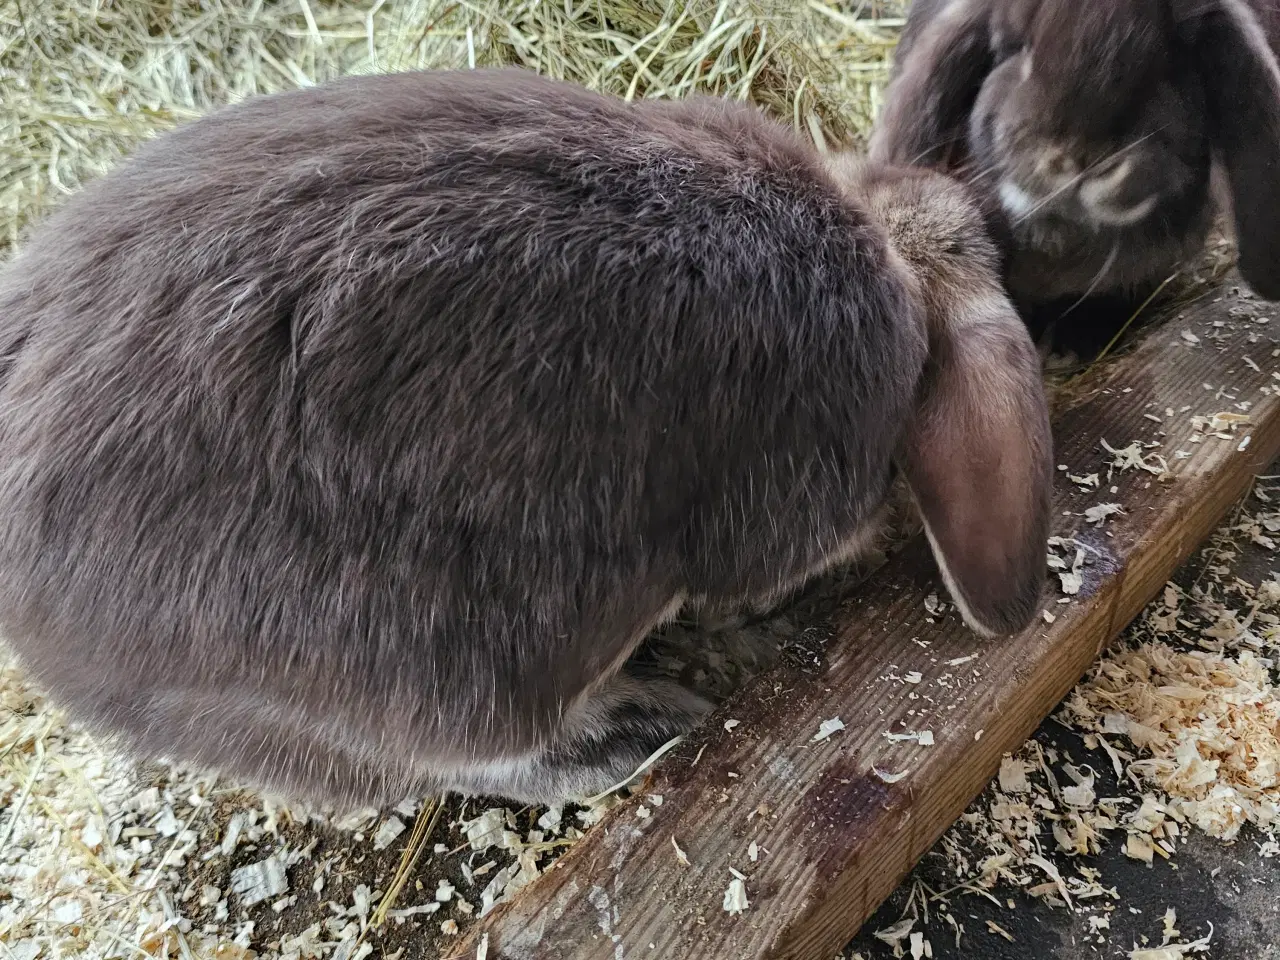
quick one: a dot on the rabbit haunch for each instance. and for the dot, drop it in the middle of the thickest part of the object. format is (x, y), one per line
(351, 439)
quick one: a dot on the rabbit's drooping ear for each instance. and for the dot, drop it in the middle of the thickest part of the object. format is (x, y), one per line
(937, 79)
(978, 458)
(1242, 83)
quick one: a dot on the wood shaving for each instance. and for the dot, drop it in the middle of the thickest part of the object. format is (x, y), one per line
(681, 857)
(1134, 457)
(923, 737)
(826, 729)
(1055, 877)
(1072, 579)
(1013, 776)
(895, 936)
(1080, 794)
(1097, 515)
(999, 930)
(390, 828)
(735, 897)
(1220, 425)
(259, 881)
(1208, 724)
(1173, 951)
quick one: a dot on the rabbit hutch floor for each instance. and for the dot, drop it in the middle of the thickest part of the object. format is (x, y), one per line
(1138, 822)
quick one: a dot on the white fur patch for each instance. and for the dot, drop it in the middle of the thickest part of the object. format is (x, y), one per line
(953, 589)
(1123, 218)
(1096, 195)
(1113, 177)
(1016, 201)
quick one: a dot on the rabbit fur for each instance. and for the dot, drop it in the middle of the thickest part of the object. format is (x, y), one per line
(351, 439)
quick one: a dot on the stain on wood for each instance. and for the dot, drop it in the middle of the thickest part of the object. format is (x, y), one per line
(835, 824)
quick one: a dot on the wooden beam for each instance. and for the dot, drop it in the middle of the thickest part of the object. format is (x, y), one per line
(834, 827)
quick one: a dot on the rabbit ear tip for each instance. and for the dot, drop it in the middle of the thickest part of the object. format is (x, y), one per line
(1008, 618)
(1001, 613)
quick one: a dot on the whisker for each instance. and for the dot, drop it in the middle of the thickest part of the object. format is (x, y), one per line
(1085, 172)
(919, 157)
(983, 174)
(1097, 278)
(1054, 194)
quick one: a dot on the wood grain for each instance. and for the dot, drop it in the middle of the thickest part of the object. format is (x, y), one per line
(834, 838)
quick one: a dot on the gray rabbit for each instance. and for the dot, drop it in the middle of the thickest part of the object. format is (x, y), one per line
(352, 439)
(1106, 133)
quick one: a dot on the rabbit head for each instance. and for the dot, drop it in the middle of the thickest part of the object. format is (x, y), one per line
(1094, 128)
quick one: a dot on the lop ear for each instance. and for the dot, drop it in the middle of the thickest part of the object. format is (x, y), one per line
(978, 458)
(943, 57)
(1242, 82)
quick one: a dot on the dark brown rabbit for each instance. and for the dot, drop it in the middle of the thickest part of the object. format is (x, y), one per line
(1096, 129)
(352, 439)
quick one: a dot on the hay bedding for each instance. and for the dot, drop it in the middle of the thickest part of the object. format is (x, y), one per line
(99, 858)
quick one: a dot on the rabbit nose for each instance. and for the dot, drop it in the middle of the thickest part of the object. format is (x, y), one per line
(1055, 163)
(1051, 174)
(1116, 197)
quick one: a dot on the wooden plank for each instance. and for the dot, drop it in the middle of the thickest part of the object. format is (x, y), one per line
(834, 838)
